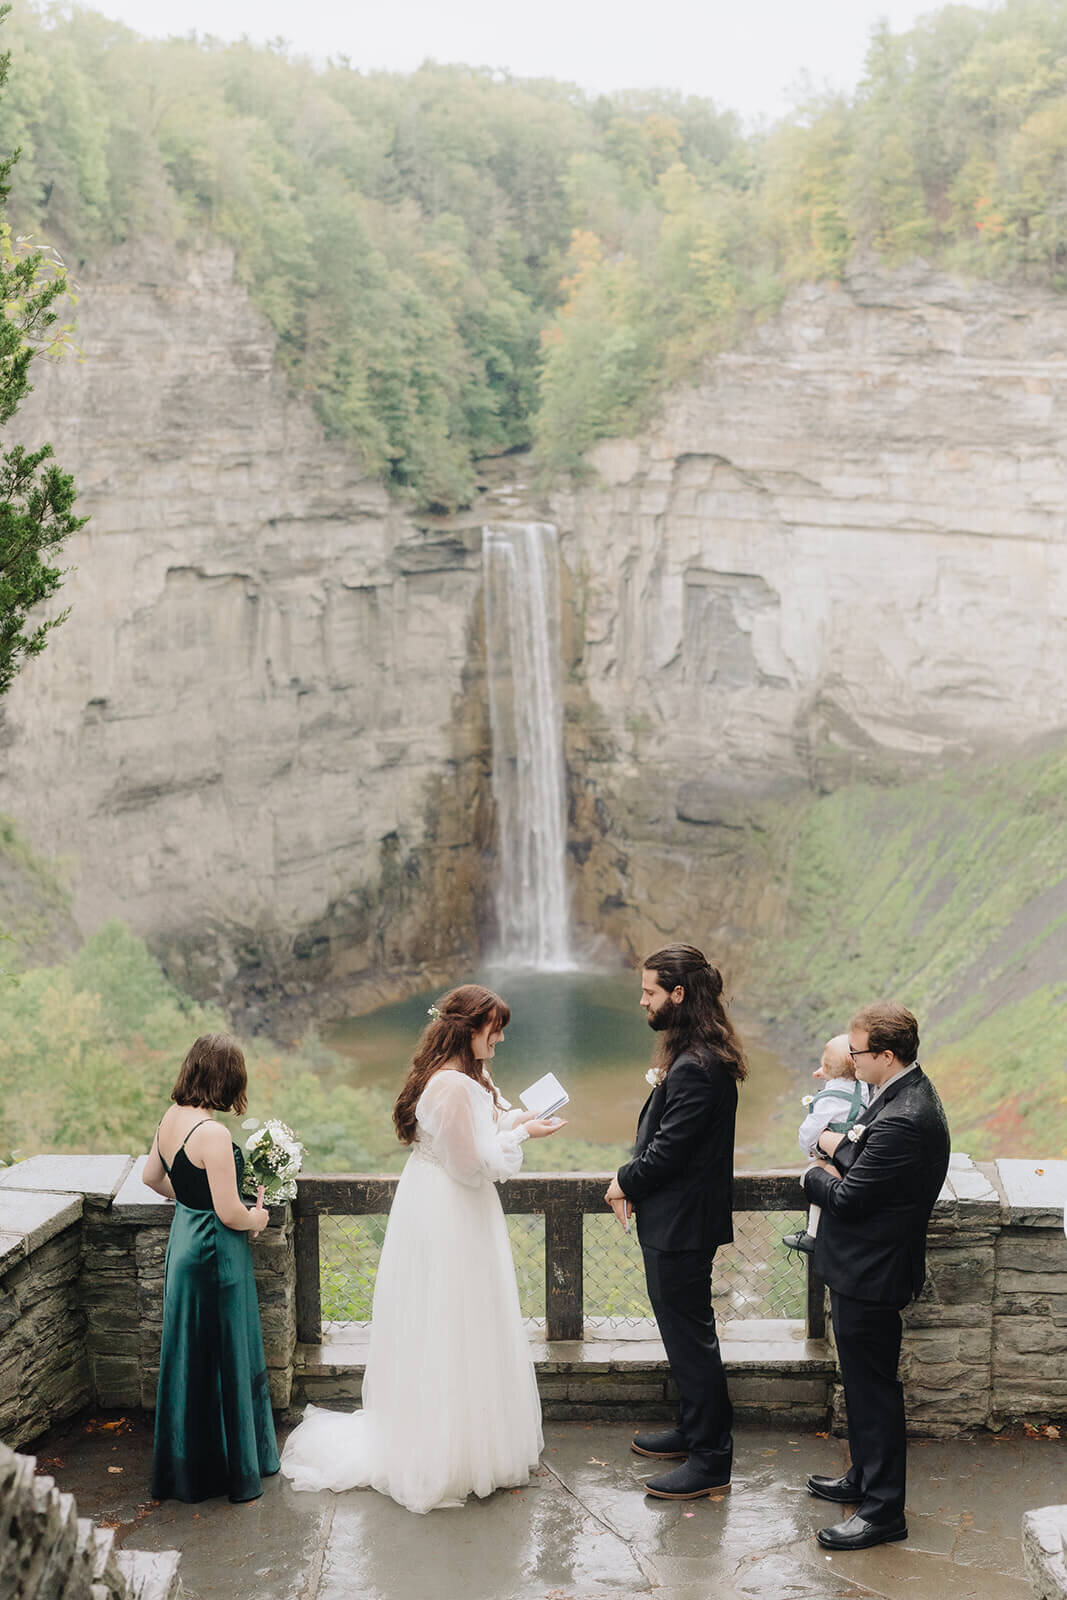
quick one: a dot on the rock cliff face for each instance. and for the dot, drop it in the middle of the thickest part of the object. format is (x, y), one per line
(261, 737)
(256, 739)
(844, 554)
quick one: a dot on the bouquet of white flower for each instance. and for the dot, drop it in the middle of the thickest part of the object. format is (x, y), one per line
(274, 1156)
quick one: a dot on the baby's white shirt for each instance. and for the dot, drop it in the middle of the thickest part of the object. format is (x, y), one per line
(831, 1108)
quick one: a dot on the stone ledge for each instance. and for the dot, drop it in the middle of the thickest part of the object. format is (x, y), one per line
(135, 1202)
(1045, 1551)
(775, 1372)
(93, 1177)
(29, 1218)
(1034, 1192)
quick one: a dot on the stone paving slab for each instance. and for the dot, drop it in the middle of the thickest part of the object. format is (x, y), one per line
(583, 1528)
(1035, 1191)
(34, 1217)
(95, 1177)
(12, 1248)
(135, 1202)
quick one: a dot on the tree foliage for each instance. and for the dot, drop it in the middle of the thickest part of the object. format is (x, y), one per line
(35, 497)
(457, 262)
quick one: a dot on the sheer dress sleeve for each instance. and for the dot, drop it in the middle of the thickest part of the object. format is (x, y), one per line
(471, 1146)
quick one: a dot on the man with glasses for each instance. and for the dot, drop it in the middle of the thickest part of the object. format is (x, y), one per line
(876, 1194)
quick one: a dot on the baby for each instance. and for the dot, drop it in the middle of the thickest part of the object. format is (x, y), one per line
(836, 1108)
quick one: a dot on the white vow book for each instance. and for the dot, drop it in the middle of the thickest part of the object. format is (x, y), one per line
(545, 1097)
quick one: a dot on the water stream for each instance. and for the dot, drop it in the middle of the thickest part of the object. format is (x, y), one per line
(522, 632)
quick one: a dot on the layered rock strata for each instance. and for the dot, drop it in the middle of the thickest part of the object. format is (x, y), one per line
(261, 738)
(843, 555)
(256, 739)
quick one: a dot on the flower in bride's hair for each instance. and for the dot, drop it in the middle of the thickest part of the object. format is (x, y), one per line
(655, 1076)
(433, 1013)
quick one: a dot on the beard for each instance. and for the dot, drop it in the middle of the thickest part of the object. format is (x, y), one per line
(659, 1021)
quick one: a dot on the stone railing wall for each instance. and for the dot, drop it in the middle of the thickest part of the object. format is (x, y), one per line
(48, 1552)
(81, 1259)
(1045, 1551)
(987, 1339)
(82, 1243)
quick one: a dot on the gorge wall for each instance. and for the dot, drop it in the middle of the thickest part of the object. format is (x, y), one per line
(261, 738)
(842, 556)
(257, 743)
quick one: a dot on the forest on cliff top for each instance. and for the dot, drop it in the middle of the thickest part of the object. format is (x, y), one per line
(457, 263)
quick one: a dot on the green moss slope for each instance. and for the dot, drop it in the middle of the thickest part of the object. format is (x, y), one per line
(950, 894)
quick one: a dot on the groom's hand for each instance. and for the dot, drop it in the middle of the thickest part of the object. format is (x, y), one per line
(618, 1202)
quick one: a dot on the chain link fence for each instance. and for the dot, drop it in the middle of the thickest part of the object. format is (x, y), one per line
(756, 1276)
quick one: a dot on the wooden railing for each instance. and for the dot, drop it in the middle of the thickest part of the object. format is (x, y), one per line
(562, 1198)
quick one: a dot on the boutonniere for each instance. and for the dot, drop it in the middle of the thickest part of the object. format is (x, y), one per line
(806, 1099)
(856, 1132)
(655, 1076)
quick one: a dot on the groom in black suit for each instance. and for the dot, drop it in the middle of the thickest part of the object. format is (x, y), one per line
(680, 1184)
(877, 1195)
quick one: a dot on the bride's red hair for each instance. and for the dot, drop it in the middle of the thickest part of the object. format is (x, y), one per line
(461, 1014)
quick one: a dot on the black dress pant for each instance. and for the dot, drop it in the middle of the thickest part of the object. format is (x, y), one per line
(679, 1287)
(868, 1349)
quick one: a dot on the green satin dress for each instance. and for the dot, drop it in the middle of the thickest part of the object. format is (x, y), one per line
(214, 1428)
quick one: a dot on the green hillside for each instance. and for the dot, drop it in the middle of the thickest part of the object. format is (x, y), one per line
(950, 894)
(458, 263)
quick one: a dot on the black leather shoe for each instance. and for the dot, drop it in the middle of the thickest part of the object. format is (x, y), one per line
(669, 1446)
(858, 1534)
(841, 1490)
(686, 1483)
(800, 1241)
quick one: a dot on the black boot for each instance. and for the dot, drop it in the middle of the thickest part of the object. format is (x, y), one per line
(803, 1242)
(669, 1446)
(687, 1483)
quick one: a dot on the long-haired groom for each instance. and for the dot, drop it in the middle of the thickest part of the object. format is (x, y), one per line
(680, 1183)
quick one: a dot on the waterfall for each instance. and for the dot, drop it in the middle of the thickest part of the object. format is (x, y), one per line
(522, 633)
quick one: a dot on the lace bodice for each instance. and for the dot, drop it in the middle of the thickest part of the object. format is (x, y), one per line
(460, 1130)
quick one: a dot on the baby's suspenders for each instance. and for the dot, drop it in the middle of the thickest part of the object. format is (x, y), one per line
(854, 1110)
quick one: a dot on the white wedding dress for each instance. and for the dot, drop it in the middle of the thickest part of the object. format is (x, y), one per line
(450, 1402)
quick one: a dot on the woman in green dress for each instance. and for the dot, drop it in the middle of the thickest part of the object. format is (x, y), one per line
(214, 1429)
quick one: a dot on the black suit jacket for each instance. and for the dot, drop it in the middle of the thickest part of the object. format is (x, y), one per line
(681, 1177)
(871, 1242)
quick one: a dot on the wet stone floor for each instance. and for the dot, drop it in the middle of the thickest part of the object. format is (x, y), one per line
(582, 1529)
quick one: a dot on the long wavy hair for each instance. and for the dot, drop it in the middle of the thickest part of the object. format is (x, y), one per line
(699, 1021)
(461, 1014)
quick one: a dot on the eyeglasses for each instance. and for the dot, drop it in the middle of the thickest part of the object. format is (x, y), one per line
(855, 1053)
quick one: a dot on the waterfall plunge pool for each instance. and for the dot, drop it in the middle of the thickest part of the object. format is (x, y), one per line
(587, 1028)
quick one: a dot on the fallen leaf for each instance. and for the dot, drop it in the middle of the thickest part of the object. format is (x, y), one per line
(716, 1497)
(114, 1469)
(595, 1462)
(1051, 1432)
(688, 1513)
(823, 1436)
(1039, 1172)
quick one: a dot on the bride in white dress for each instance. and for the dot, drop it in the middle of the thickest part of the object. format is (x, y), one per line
(450, 1402)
